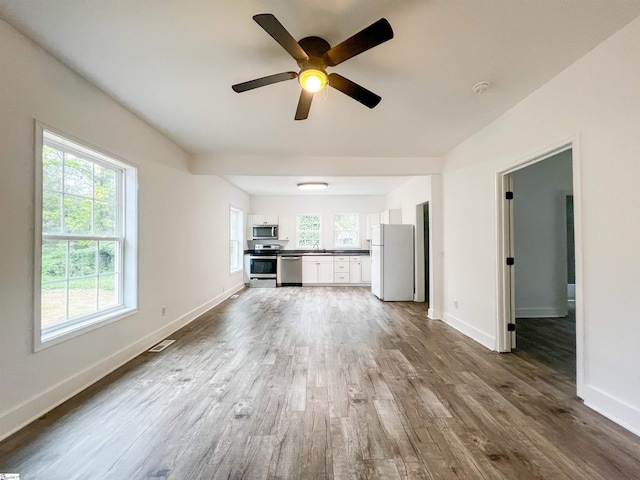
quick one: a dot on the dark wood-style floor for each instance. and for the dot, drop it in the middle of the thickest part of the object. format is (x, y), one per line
(551, 341)
(323, 383)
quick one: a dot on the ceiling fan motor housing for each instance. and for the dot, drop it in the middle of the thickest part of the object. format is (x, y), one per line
(315, 47)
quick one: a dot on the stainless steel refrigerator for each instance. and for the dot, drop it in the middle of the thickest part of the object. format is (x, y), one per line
(392, 262)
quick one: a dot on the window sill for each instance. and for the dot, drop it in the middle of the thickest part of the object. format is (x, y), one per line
(61, 335)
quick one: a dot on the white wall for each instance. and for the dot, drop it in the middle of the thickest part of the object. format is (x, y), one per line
(325, 205)
(183, 228)
(596, 101)
(540, 236)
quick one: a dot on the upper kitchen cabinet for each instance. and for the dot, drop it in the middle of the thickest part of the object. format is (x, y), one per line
(262, 219)
(391, 216)
(286, 227)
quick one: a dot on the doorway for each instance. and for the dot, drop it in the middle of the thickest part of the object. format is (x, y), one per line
(537, 255)
(427, 270)
(422, 271)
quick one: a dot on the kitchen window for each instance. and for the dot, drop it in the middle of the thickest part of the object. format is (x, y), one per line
(346, 227)
(235, 240)
(308, 230)
(86, 265)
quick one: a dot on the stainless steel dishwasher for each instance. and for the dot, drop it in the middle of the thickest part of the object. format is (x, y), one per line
(291, 274)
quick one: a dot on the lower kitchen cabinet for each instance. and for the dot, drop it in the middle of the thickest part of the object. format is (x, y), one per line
(341, 278)
(317, 269)
(339, 269)
(355, 270)
(365, 268)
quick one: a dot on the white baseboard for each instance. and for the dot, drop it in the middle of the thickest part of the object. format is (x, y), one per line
(33, 408)
(434, 314)
(614, 409)
(470, 331)
(541, 312)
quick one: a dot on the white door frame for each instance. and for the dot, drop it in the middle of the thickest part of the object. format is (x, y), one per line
(505, 289)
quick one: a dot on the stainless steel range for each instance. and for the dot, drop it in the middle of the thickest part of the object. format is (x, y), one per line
(263, 266)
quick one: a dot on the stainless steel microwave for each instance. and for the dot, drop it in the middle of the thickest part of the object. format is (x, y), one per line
(265, 232)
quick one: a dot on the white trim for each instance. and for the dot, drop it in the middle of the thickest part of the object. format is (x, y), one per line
(319, 215)
(434, 314)
(39, 404)
(503, 300)
(357, 230)
(127, 228)
(240, 229)
(470, 331)
(625, 415)
(76, 330)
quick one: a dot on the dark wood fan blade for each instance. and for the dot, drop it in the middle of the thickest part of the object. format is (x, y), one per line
(273, 27)
(261, 82)
(304, 105)
(354, 90)
(375, 34)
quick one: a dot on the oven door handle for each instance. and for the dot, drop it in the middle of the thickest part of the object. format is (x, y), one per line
(262, 257)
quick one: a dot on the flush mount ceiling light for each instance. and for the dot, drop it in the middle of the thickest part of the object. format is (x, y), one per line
(313, 185)
(313, 79)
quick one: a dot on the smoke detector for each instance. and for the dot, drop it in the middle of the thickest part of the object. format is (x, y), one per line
(481, 87)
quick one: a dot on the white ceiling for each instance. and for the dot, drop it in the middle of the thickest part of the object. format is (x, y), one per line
(173, 62)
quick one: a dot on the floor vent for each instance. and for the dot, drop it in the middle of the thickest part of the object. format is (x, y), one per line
(162, 345)
(235, 296)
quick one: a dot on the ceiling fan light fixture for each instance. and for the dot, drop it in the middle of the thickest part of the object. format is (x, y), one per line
(313, 185)
(313, 79)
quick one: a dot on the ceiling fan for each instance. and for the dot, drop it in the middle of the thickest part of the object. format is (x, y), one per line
(314, 55)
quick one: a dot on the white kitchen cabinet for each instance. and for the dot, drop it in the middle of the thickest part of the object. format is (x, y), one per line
(262, 219)
(391, 216)
(341, 278)
(286, 229)
(317, 269)
(325, 272)
(355, 270)
(341, 269)
(372, 219)
(309, 273)
(365, 267)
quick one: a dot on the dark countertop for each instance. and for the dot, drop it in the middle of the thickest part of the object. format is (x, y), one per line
(302, 252)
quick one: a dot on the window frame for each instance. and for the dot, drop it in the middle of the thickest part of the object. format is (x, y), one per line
(357, 231)
(240, 239)
(126, 235)
(319, 215)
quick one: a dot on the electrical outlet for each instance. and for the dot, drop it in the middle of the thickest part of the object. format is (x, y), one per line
(455, 303)
(163, 310)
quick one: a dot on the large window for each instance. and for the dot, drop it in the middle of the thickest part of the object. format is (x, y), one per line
(86, 264)
(346, 227)
(235, 240)
(307, 231)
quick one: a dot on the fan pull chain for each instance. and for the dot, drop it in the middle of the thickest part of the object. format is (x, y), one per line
(325, 93)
